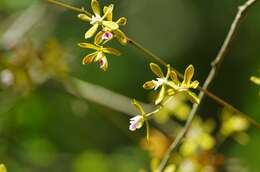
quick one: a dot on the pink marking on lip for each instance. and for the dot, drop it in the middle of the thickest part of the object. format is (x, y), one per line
(107, 36)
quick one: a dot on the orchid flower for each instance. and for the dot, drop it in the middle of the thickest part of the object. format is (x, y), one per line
(99, 55)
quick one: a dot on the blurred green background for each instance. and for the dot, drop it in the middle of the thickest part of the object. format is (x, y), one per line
(51, 130)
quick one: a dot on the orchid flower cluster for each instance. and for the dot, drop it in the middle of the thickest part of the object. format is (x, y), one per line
(169, 86)
(108, 29)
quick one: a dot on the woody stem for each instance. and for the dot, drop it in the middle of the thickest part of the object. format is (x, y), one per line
(70, 7)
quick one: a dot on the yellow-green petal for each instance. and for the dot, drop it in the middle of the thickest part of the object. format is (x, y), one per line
(255, 80)
(188, 74)
(138, 106)
(170, 168)
(89, 58)
(84, 17)
(194, 84)
(98, 38)
(168, 71)
(156, 70)
(149, 85)
(121, 37)
(112, 51)
(171, 92)
(174, 77)
(110, 24)
(95, 7)
(88, 45)
(2, 168)
(91, 31)
(173, 85)
(160, 95)
(109, 14)
(121, 21)
(193, 97)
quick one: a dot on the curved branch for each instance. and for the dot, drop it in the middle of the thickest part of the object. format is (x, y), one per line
(215, 67)
(162, 62)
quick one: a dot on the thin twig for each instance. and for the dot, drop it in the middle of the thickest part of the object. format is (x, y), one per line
(70, 7)
(211, 95)
(162, 62)
(231, 108)
(215, 67)
(151, 55)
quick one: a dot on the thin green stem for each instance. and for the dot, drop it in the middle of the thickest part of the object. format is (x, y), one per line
(159, 107)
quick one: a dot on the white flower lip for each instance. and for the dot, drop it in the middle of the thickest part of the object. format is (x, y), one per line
(136, 122)
(96, 19)
(159, 82)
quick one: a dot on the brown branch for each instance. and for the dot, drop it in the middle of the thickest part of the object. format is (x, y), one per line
(156, 58)
(211, 95)
(215, 67)
(70, 7)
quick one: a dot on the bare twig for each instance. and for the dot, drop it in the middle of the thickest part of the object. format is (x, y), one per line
(205, 91)
(215, 67)
(80, 10)
(156, 58)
